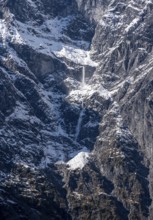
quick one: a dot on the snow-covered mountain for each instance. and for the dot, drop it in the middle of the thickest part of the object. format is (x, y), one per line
(76, 109)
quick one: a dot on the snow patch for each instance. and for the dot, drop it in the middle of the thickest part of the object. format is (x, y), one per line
(79, 161)
(132, 24)
(21, 113)
(3, 32)
(49, 38)
(77, 55)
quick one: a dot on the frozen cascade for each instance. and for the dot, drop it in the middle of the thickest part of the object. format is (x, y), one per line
(79, 124)
(82, 111)
(83, 83)
(83, 76)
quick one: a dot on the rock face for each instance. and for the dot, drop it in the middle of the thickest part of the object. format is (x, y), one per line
(76, 109)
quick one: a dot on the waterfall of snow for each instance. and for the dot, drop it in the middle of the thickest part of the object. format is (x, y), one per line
(83, 76)
(83, 80)
(78, 127)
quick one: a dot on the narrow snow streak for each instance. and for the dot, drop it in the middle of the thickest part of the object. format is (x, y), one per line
(83, 76)
(83, 81)
(78, 127)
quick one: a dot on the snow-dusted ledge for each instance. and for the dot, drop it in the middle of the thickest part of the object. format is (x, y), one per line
(79, 161)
